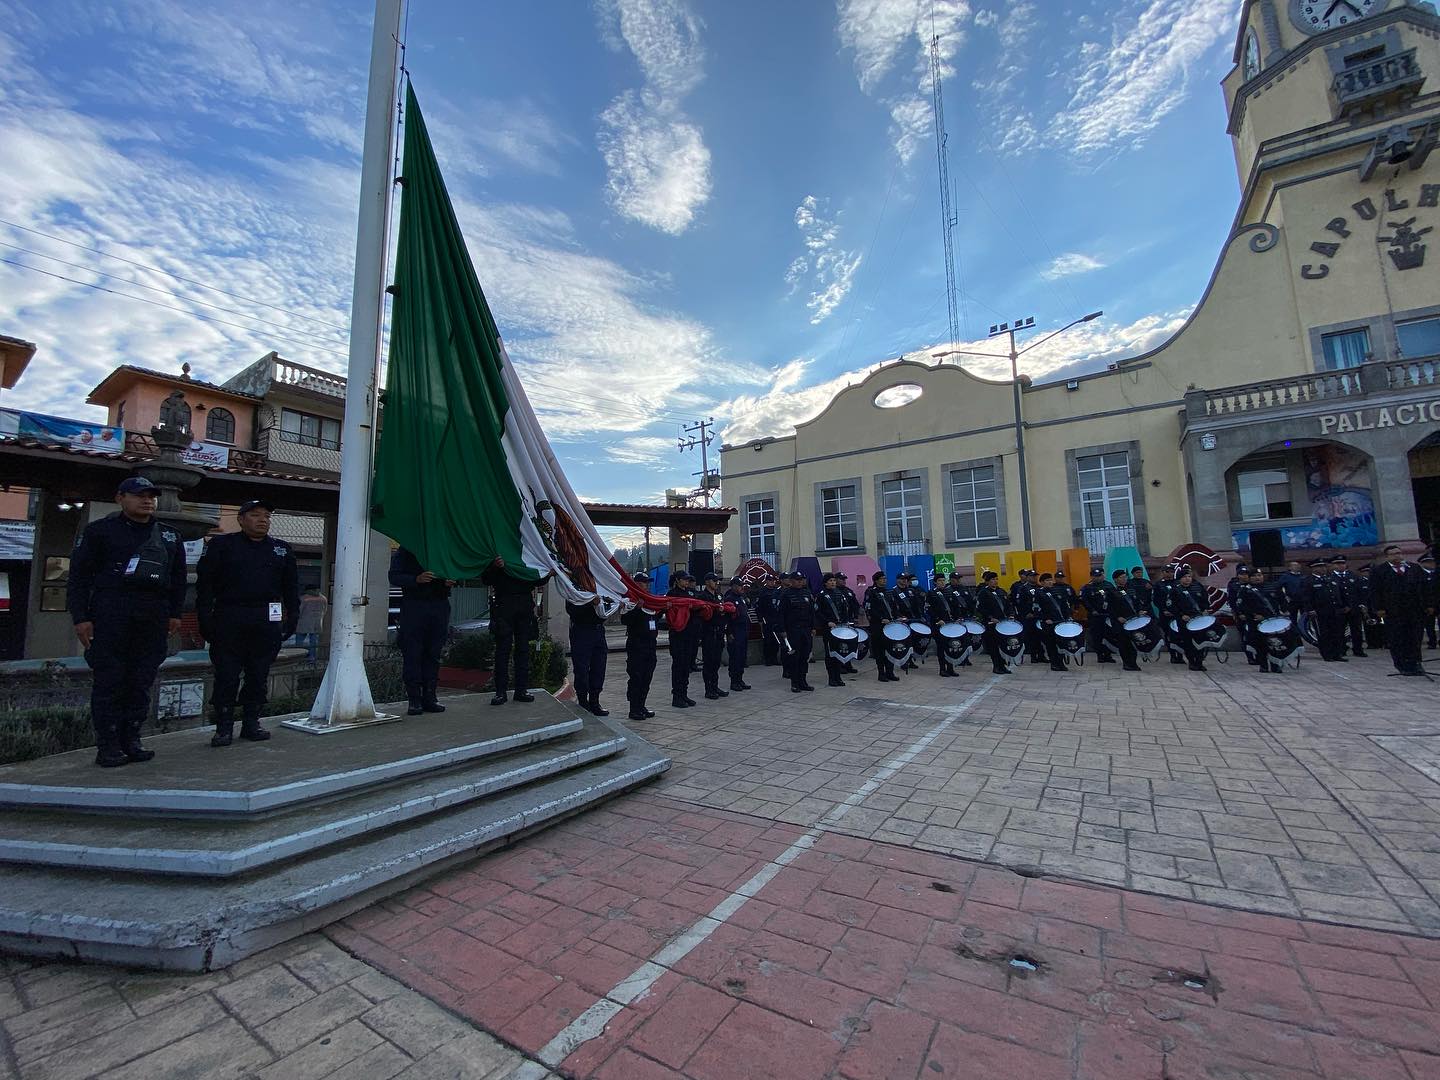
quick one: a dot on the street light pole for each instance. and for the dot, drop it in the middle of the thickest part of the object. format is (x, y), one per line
(1009, 330)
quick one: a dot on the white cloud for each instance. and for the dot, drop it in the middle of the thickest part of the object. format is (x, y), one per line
(654, 451)
(1070, 264)
(657, 163)
(826, 268)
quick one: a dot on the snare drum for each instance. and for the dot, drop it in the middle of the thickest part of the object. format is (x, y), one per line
(843, 644)
(862, 643)
(920, 636)
(1146, 637)
(974, 635)
(1205, 632)
(1010, 636)
(953, 642)
(1283, 640)
(897, 642)
(1070, 637)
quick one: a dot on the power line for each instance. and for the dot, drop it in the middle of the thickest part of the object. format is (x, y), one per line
(177, 277)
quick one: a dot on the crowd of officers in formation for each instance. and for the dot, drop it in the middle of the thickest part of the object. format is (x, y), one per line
(127, 584)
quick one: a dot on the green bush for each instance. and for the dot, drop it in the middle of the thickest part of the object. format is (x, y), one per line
(33, 733)
(474, 652)
(556, 668)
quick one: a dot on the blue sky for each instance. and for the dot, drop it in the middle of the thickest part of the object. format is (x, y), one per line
(677, 209)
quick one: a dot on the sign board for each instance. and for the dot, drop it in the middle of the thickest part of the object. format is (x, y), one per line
(97, 438)
(208, 455)
(1419, 412)
(178, 700)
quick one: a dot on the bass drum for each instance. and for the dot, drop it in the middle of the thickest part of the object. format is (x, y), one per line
(843, 644)
(1010, 636)
(862, 643)
(1283, 641)
(1070, 637)
(897, 642)
(1208, 636)
(920, 638)
(974, 635)
(1146, 637)
(954, 642)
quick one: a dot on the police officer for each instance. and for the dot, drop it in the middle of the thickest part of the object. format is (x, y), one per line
(1252, 607)
(903, 597)
(832, 609)
(797, 616)
(852, 608)
(1050, 610)
(1064, 588)
(941, 608)
(125, 594)
(712, 640)
(683, 643)
(247, 600)
(992, 604)
(1140, 591)
(642, 627)
(767, 606)
(1187, 599)
(737, 632)
(1324, 595)
(1427, 567)
(589, 654)
(512, 622)
(1405, 601)
(1356, 600)
(1163, 597)
(1374, 628)
(424, 622)
(1097, 598)
(879, 611)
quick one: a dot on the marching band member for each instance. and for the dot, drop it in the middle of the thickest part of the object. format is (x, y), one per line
(737, 632)
(852, 609)
(1187, 600)
(1163, 596)
(1354, 592)
(1051, 608)
(942, 605)
(880, 610)
(1252, 607)
(1325, 596)
(797, 616)
(993, 604)
(833, 612)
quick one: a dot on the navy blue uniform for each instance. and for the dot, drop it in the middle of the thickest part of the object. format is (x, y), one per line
(1326, 597)
(712, 647)
(834, 610)
(1252, 607)
(641, 630)
(879, 610)
(236, 583)
(1404, 594)
(588, 654)
(424, 622)
(767, 606)
(683, 646)
(992, 605)
(128, 579)
(737, 637)
(1186, 602)
(512, 622)
(797, 617)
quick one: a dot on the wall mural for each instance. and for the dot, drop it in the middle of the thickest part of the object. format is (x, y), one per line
(1342, 508)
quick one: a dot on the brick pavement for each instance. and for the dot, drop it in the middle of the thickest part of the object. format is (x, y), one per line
(863, 960)
(301, 1011)
(1264, 793)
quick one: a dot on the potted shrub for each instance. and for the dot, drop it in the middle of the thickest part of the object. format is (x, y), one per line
(469, 662)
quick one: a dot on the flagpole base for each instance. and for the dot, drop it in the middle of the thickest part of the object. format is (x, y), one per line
(311, 725)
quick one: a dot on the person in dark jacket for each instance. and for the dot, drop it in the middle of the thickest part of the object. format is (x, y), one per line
(247, 601)
(1292, 581)
(767, 607)
(125, 594)
(1403, 599)
(880, 610)
(589, 654)
(1355, 598)
(1050, 612)
(852, 609)
(1065, 589)
(1426, 562)
(683, 644)
(424, 622)
(512, 622)
(1251, 608)
(797, 616)
(1324, 595)
(712, 640)
(1098, 597)
(992, 604)
(1163, 598)
(1141, 592)
(832, 610)
(904, 597)
(1188, 599)
(1374, 628)
(642, 628)
(942, 607)
(737, 632)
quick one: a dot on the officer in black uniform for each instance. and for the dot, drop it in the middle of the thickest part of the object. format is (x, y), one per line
(832, 609)
(1122, 610)
(903, 597)
(880, 610)
(1050, 610)
(1404, 599)
(125, 594)
(247, 600)
(941, 608)
(512, 621)
(712, 640)
(962, 596)
(1365, 594)
(1164, 599)
(1187, 600)
(797, 616)
(1292, 581)
(1096, 596)
(1252, 607)
(424, 623)
(1426, 562)
(1355, 594)
(767, 608)
(737, 632)
(1063, 587)
(1324, 595)
(589, 654)
(642, 627)
(683, 644)
(992, 604)
(852, 609)
(1140, 591)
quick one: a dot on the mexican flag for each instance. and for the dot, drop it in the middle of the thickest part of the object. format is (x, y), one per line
(463, 473)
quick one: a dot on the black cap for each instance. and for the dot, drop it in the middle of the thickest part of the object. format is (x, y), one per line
(1317, 562)
(955, 573)
(738, 581)
(1427, 557)
(1338, 559)
(1096, 572)
(989, 575)
(1137, 570)
(1242, 569)
(252, 504)
(832, 576)
(842, 575)
(136, 485)
(1059, 573)
(641, 578)
(679, 574)
(1117, 573)
(712, 576)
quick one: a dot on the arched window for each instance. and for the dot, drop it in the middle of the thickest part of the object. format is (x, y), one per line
(220, 426)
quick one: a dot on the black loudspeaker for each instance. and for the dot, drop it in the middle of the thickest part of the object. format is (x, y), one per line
(702, 563)
(1267, 548)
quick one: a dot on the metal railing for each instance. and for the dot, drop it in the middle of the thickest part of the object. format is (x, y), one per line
(771, 557)
(1104, 539)
(1360, 85)
(906, 547)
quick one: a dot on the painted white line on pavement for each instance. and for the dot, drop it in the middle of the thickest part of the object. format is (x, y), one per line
(591, 1023)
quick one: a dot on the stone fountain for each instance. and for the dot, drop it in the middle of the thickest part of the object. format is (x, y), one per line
(170, 474)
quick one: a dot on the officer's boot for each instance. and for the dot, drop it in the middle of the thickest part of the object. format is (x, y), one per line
(108, 754)
(594, 704)
(522, 684)
(224, 727)
(428, 701)
(130, 743)
(250, 726)
(415, 696)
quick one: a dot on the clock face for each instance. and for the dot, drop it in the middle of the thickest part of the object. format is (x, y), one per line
(1315, 16)
(1252, 55)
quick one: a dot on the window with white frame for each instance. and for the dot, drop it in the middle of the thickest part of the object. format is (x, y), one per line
(972, 494)
(1265, 495)
(760, 526)
(1419, 337)
(838, 517)
(904, 510)
(1345, 349)
(1105, 498)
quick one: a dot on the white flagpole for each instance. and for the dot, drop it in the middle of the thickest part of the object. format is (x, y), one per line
(344, 701)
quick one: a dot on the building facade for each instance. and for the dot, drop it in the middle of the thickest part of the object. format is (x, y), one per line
(1300, 401)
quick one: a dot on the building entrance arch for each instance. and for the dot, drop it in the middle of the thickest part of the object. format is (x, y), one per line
(1306, 494)
(1424, 462)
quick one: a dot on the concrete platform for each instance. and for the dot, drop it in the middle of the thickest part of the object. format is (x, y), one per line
(189, 775)
(183, 891)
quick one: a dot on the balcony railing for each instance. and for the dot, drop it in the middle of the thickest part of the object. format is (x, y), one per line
(906, 547)
(772, 558)
(1370, 380)
(1361, 86)
(288, 373)
(143, 444)
(1102, 540)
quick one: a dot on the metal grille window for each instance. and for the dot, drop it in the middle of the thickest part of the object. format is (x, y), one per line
(298, 427)
(1105, 498)
(220, 426)
(760, 525)
(904, 510)
(972, 491)
(838, 517)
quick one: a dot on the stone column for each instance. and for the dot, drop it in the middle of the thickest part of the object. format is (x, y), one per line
(51, 633)
(1210, 504)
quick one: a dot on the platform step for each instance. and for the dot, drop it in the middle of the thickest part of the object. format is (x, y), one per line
(190, 776)
(210, 847)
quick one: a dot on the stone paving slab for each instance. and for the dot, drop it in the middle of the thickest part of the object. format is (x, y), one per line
(302, 1011)
(861, 959)
(1260, 792)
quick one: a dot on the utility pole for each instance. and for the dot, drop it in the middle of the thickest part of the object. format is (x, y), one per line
(948, 218)
(700, 435)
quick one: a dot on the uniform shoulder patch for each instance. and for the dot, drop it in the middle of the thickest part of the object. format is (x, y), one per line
(281, 550)
(169, 537)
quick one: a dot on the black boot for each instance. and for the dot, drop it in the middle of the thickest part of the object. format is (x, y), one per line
(521, 693)
(1131, 667)
(108, 754)
(1197, 666)
(680, 703)
(250, 728)
(428, 701)
(594, 705)
(224, 727)
(1058, 665)
(417, 700)
(500, 698)
(130, 744)
(739, 684)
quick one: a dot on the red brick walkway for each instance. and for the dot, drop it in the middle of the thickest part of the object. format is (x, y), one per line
(865, 960)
